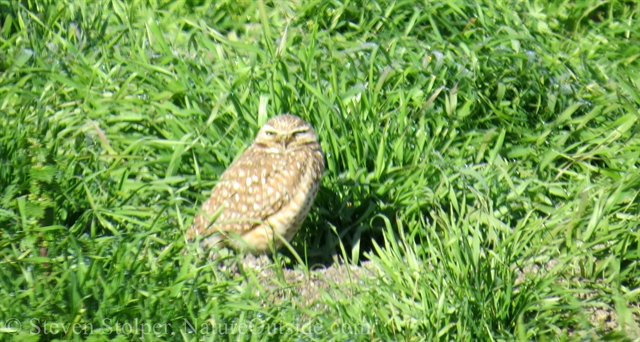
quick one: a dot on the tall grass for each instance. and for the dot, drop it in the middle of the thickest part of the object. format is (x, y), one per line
(481, 157)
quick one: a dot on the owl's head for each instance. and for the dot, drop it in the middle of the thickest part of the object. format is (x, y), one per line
(285, 133)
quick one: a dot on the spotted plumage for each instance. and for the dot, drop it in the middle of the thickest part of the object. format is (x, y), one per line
(266, 194)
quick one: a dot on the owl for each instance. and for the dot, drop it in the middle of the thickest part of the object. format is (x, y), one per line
(262, 199)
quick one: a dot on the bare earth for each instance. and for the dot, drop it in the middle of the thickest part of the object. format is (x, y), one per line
(306, 289)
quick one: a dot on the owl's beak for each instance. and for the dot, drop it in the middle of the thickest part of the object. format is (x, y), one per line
(286, 140)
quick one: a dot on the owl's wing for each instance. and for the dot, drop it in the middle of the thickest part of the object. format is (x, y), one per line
(253, 188)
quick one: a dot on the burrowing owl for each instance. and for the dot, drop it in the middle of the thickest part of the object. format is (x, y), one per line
(266, 194)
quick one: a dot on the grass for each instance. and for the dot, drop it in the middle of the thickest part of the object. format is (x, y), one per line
(482, 160)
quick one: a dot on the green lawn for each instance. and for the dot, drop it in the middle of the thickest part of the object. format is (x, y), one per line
(482, 164)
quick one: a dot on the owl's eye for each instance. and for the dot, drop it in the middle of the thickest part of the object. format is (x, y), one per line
(270, 133)
(298, 133)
